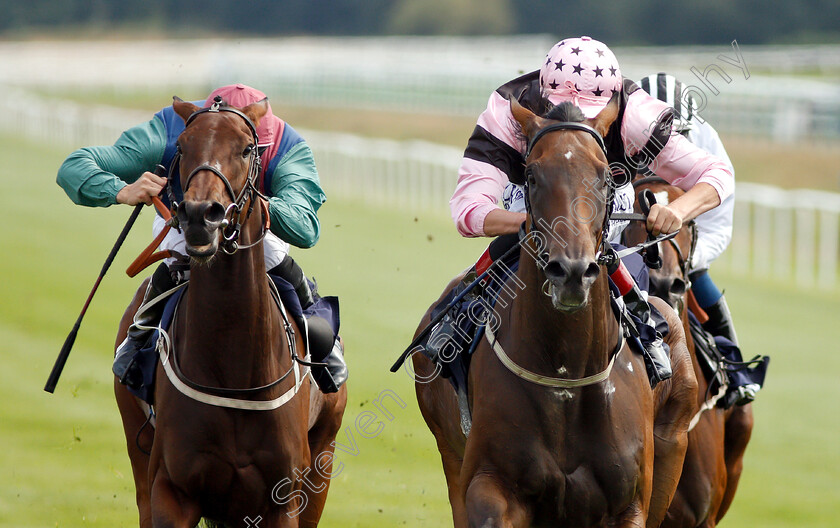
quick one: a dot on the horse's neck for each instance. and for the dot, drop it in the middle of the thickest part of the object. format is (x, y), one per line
(233, 286)
(573, 345)
(229, 322)
(231, 281)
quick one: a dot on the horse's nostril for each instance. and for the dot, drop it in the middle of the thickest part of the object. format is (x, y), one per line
(207, 214)
(678, 287)
(555, 271)
(215, 213)
(181, 213)
(572, 271)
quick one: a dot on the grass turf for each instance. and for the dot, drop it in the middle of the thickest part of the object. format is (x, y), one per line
(62, 457)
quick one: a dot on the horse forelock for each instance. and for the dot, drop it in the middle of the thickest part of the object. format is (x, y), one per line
(565, 111)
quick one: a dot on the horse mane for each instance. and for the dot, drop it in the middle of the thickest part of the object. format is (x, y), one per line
(565, 111)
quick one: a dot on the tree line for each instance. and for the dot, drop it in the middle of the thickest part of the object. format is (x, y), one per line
(640, 22)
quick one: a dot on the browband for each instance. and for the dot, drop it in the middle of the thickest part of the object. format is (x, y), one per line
(566, 125)
(220, 106)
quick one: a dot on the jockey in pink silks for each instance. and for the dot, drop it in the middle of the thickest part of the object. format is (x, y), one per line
(489, 199)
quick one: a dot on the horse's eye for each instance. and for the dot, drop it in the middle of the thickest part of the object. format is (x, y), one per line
(248, 150)
(529, 176)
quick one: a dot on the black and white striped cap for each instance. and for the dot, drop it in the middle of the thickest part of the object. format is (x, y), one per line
(668, 89)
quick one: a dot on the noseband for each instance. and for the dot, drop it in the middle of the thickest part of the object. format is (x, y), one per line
(232, 223)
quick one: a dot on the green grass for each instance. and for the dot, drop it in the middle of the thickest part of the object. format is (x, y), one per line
(62, 457)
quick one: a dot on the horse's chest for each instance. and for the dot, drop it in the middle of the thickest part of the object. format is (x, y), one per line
(579, 468)
(243, 458)
(584, 487)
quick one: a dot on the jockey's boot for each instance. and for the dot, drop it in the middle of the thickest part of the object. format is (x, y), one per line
(741, 390)
(324, 348)
(655, 351)
(125, 367)
(720, 320)
(443, 335)
(291, 271)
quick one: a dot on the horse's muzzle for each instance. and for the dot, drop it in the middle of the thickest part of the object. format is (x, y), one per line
(671, 289)
(201, 222)
(568, 282)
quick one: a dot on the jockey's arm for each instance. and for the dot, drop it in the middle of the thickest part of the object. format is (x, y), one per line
(501, 222)
(492, 156)
(295, 197)
(714, 228)
(671, 217)
(95, 176)
(707, 179)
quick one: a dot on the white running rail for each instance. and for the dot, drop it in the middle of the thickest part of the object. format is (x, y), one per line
(786, 234)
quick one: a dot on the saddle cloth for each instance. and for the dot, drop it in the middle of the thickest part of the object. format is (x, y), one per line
(147, 357)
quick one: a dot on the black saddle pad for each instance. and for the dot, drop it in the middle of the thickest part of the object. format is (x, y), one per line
(147, 357)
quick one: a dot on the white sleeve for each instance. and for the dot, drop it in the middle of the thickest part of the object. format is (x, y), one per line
(714, 227)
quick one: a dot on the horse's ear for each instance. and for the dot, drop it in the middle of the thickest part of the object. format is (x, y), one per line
(183, 108)
(528, 120)
(605, 117)
(256, 111)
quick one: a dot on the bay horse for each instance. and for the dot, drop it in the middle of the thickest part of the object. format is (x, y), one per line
(597, 447)
(239, 428)
(718, 438)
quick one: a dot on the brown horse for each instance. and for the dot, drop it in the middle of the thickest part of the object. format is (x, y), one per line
(543, 451)
(718, 439)
(241, 437)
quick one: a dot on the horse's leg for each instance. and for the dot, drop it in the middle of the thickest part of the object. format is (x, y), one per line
(703, 479)
(321, 437)
(276, 519)
(738, 429)
(439, 407)
(489, 505)
(675, 400)
(170, 507)
(632, 517)
(133, 418)
(452, 470)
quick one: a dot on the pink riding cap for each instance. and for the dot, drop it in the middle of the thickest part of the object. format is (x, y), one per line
(240, 95)
(583, 71)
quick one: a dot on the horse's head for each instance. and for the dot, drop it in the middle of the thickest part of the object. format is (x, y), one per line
(567, 187)
(669, 282)
(218, 165)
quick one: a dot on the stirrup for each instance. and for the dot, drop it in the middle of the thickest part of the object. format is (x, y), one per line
(331, 377)
(125, 366)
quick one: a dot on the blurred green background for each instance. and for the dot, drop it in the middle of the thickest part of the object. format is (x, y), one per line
(62, 457)
(63, 461)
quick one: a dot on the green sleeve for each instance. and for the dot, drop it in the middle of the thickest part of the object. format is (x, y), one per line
(296, 195)
(93, 176)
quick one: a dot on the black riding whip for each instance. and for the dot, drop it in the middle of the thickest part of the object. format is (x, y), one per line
(160, 170)
(423, 333)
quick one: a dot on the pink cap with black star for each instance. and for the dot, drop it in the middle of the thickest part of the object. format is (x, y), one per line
(583, 71)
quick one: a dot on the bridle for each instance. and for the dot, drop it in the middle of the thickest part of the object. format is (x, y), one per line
(233, 218)
(605, 249)
(683, 259)
(605, 252)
